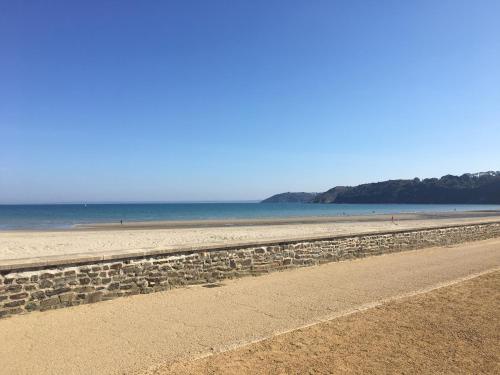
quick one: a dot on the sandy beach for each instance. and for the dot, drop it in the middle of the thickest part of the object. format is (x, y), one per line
(113, 238)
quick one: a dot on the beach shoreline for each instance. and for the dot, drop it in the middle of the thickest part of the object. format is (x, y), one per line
(113, 240)
(264, 221)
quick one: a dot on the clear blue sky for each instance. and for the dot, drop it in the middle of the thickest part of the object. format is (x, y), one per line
(217, 100)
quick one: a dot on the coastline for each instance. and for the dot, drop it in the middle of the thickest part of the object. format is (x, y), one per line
(112, 241)
(47, 218)
(237, 222)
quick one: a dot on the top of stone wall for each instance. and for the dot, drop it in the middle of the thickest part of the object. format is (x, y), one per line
(32, 263)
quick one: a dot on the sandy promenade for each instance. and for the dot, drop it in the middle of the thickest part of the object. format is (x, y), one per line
(450, 330)
(147, 332)
(172, 236)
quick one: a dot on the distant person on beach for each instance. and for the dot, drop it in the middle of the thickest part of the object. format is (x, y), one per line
(121, 222)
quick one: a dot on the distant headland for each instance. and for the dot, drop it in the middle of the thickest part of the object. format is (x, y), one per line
(469, 188)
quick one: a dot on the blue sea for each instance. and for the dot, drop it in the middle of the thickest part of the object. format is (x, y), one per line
(59, 216)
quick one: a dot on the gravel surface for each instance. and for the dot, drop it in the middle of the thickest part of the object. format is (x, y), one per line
(131, 335)
(452, 330)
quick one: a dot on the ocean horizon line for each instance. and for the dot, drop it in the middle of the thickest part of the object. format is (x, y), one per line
(129, 202)
(88, 203)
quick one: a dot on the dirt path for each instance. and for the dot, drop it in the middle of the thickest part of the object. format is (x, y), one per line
(132, 334)
(452, 330)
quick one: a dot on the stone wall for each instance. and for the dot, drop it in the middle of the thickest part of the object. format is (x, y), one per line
(48, 287)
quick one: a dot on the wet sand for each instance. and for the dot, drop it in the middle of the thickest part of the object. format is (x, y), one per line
(172, 236)
(286, 220)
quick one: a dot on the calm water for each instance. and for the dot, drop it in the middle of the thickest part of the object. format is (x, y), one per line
(67, 215)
